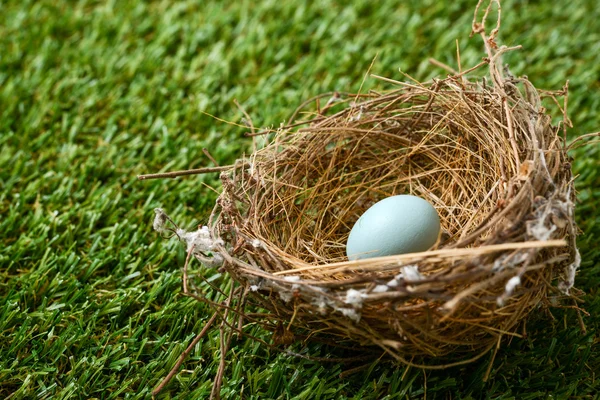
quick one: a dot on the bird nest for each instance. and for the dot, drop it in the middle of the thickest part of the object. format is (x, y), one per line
(482, 151)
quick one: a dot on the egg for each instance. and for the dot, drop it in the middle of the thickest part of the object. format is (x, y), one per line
(395, 225)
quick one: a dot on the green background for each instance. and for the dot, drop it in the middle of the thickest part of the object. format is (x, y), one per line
(94, 93)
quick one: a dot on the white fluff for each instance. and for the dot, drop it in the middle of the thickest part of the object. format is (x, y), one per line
(217, 260)
(200, 240)
(509, 288)
(197, 241)
(251, 169)
(539, 231)
(512, 284)
(571, 270)
(254, 288)
(286, 295)
(508, 261)
(160, 219)
(321, 304)
(354, 297)
(410, 273)
(380, 289)
(393, 283)
(350, 313)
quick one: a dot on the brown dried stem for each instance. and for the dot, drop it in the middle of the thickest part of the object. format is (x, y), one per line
(175, 174)
(184, 355)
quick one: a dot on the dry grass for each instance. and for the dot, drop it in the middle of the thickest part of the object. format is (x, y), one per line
(483, 152)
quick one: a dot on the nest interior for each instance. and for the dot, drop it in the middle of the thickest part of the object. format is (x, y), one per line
(315, 183)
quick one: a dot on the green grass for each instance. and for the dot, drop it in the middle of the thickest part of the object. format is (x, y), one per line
(93, 93)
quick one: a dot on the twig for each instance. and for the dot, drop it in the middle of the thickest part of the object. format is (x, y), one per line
(308, 101)
(185, 266)
(183, 356)
(580, 318)
(224, 346)
(175, 174)
(489, 368)
(268, 131)
(354, 370)
(377, 262)
(458, 62)
(210, 157)
(424, 385)
(580, 141)
(566, 120)
(511, 131)
(248, 122)
(365, 76)
(443, 66)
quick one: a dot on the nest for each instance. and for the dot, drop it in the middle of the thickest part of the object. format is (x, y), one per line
(483, 151)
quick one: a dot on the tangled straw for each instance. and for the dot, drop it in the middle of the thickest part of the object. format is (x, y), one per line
(493, 167)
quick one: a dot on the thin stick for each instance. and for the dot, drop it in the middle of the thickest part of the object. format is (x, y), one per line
(580, 318)
(467, 71)
(489, 368)
(406, 369)
(458, 57)
(269, 131)
(308, 101)
(386, 260)
(184, 355)
(224, 347)
(210, 157)
(185, 266)
(366, 74)
(443, 66)
(354, 370)
(441, 366)
(511, 131)
(175, 174)
(578, 141)
(566, 120)
(223, 120)
(424, 385)
(248, 121)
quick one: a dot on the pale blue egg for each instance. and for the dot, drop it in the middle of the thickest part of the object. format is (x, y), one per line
(395, 225)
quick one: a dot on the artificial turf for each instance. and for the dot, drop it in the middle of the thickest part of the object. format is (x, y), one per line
(93, 93)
